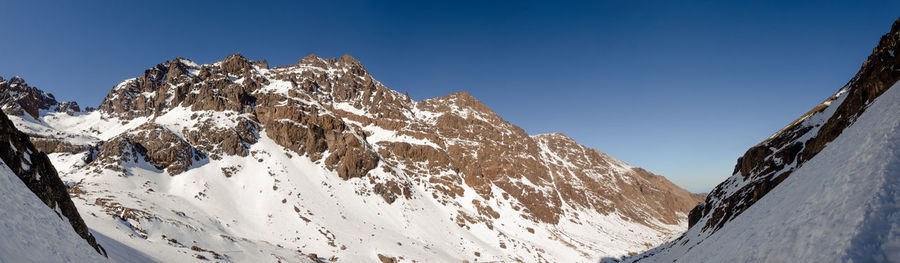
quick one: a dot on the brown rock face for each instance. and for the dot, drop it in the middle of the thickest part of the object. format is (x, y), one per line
(387, 259)
(492, 152)
(233, 86)
(35, 170)
(154, 144)
(767, 164)
(17, 98)
(55, 145)
(334, 112)
(593, 179)
(69, 107)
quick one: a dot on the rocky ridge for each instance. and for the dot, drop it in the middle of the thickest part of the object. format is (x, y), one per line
(324, 108)
(37, 172)
(180, 117)
(18, 99)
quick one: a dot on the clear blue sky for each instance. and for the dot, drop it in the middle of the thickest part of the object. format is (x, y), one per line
(681, 89)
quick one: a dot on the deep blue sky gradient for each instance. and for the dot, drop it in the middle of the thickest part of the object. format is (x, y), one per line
(681, 89)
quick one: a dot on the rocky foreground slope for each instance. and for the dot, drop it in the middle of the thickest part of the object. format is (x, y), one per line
(40, 223)
(237, 161)
(823, 189)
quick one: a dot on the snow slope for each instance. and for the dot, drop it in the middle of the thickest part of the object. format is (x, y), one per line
(843, 205)
(263, 212)
(32, 232)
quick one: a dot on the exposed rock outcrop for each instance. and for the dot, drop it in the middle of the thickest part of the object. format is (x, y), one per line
(56, 145)
(35, 170)
(154, 144)
(69, 107)
(17, 98)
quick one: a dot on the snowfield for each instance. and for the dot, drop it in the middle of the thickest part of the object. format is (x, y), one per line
(843, 205)
(278, 206)
(32, 232)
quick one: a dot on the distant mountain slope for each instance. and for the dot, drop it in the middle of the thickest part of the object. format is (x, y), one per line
(236, 161)
(823, 189)
(20, 99)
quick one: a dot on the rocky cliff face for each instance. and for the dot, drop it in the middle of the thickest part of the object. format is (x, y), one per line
(37, 172)
(449, 163)
(327, 109)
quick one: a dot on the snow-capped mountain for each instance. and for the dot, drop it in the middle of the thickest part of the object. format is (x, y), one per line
(823, 189)
(235, 161)
(40, 223)
(20, 99)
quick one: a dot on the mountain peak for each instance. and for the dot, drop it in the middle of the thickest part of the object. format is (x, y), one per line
(466, 99)
(17, 98)
(185, 61)
(236, 55)
(354, 66)
(311, 59)
(16, 80)
(348, 59)
(237, 65)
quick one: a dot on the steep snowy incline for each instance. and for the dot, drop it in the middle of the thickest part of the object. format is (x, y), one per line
(32, 232)
(767, 164)
(840, 151)
(843, 205)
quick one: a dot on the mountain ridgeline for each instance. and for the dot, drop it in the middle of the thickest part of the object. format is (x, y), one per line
(287, 160)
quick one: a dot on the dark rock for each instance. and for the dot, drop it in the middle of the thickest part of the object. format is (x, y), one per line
(154, 144)
(69, 107)
(37, 172)
(387, 259)
(17, 98)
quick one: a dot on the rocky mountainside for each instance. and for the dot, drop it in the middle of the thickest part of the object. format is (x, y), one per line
(795, 149)
(237, 161)
(20, 99)
(37, 173)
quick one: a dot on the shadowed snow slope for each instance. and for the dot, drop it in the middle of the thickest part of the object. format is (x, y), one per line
(823, 189)
(32, 232)
(841, 206)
